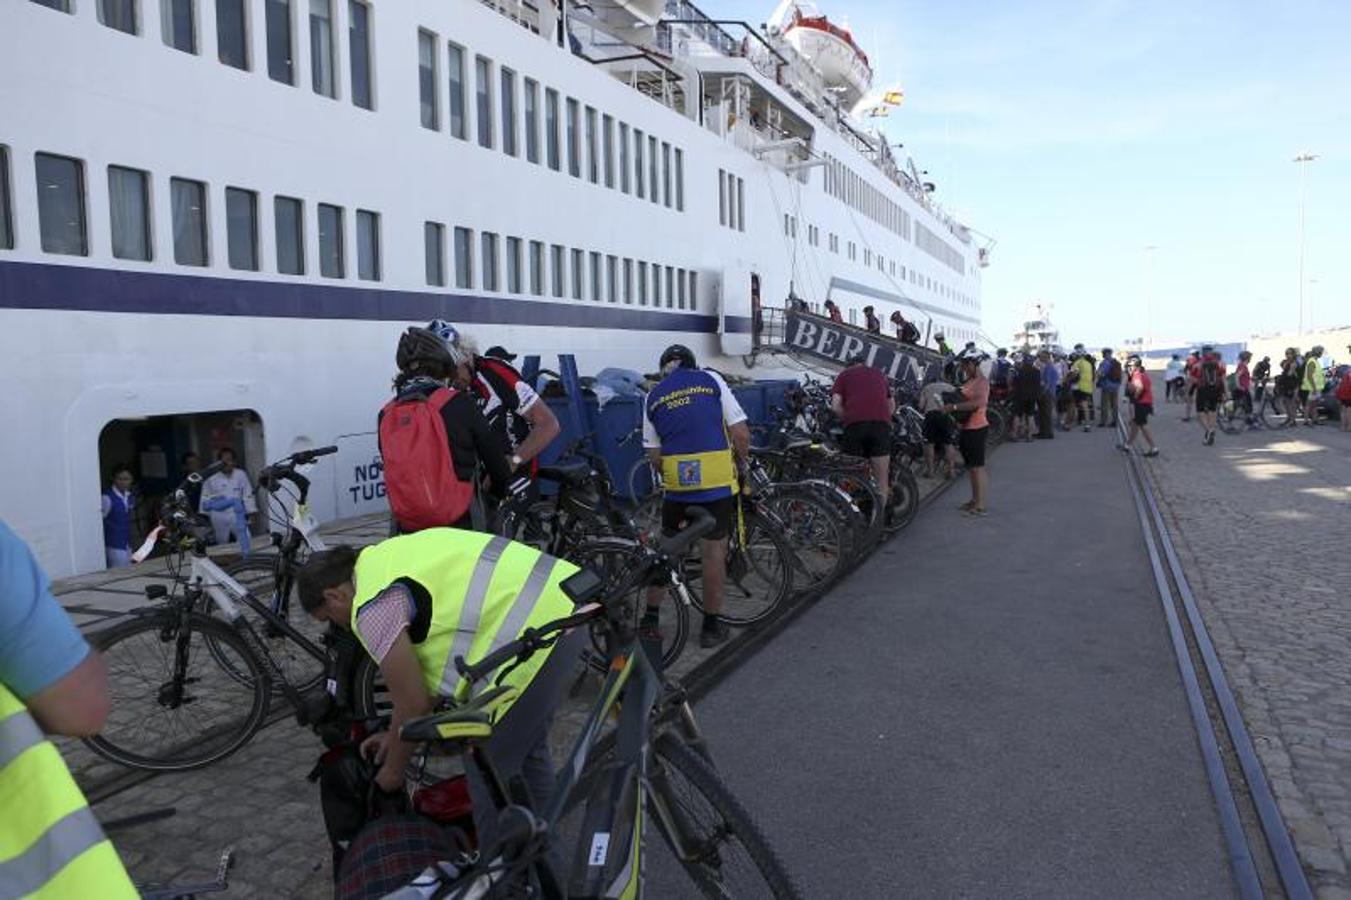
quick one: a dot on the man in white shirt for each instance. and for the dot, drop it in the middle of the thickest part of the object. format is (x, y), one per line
(228, 497)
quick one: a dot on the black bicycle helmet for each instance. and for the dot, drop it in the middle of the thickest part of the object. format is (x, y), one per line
(424, 346)
(678, 352)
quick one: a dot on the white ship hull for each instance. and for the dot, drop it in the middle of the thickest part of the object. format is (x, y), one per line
(89, 339)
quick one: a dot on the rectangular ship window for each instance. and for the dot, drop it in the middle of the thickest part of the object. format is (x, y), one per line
(628, 281)
(321, 48)
(359, 46)
(680, 288)
(741, 204)
(232, 34)
(694, 290)
(608, 145)
(332, 261)
(58, 5)
(6, 217)
(612, 278)
(427, 80)
(595, 277)
(464, 258)
(578, 275)
(128, 211)
(592, 154)
(280, 42)
(189, 212)
(368, 245)
(638, 163)
(574, 147)
(455, 72)
(178, 24)
(733, 211)
(624, 157)
(289, 219)
(513, 265)
(483, 94)
(642, 283)
(656, 284)
(652, 168)
(537, 268)
(119, 15)
(508, 87)
(531, 120)
(722, 198)
(488, 240)
(666, 174)
(558, 278)
(680, 179)
(241, 228)
(551, 126)
(434, 247)
(670, 288)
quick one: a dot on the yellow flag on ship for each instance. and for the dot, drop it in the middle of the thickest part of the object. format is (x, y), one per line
(894, 97)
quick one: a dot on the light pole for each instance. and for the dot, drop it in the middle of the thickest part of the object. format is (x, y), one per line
(1302, 160)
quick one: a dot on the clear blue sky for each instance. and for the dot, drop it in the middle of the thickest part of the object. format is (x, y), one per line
(1078, 133)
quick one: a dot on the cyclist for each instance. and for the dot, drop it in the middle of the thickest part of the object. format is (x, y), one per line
(521, 419)
(1287, 383)
(696, 435)
(1312, 384)
(1140, 390)
(1261, 374)
(433, 437)
(1209, 390)
(1109, 383)
(974, 427)
(861, 399)
(1081, 381)
(1172, 379)
(416, 602)
(1243, 387)
(51, 846)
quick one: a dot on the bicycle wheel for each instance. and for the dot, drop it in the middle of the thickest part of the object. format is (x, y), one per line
(610, 556)
(904, 505)
(760, 572)
(1272, 415)
(998, 424)
(709, 832)
(813, 530)
(1230, 417)
(168, 724)
(643, 481)
(259, 577)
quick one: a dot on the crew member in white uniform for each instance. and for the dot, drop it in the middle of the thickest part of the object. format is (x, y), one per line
(232, 484)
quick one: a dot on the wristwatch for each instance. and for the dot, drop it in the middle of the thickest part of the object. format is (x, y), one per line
(515, 462)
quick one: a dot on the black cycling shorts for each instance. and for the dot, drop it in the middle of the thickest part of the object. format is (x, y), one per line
(1207, 399)
(972, 445)
(1025, 407)
(1142, 412)
(673, 515)
(867, 439)
(939, 428)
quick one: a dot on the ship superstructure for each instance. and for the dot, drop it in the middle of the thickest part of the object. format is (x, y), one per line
(217, 215)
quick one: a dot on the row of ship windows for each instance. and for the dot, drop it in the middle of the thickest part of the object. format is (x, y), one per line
(63, 225)
(884, 265)
(180, 29)
(536, 268)
(63, 229)
(613, 153)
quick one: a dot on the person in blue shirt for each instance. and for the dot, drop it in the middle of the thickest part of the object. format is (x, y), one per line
(1050, 386)
(50, 682)
(696, 435)
(1109, 383)
(118, 508)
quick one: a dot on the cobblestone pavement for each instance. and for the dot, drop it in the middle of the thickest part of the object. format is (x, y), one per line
(1260, 521)
(257, 800)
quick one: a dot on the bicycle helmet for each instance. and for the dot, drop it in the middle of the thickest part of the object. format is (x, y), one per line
(972, 354)
(678, 353)
(420, 345)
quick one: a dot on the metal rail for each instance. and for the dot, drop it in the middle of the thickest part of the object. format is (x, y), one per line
(1274, 834)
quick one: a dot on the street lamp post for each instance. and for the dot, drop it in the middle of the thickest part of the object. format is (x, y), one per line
(1302, 160)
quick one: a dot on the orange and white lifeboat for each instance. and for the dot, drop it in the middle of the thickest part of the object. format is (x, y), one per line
(831, 49)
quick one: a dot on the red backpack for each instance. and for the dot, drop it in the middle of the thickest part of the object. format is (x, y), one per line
(420, 479)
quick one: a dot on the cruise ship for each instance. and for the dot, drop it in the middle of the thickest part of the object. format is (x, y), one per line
(216, 216)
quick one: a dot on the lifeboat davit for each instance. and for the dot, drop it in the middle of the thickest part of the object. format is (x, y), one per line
(831, 49)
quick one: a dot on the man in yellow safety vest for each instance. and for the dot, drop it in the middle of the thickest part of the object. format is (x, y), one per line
(51, 682)
(418, 601)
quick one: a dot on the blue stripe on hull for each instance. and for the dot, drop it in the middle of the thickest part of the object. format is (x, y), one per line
(44, 286)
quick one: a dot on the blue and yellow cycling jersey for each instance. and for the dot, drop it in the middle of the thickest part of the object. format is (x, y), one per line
(689, 411)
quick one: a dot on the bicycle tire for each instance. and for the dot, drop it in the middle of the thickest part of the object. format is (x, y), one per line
(643, 481)
(127, 658)
(1230, 418)
(813, 530)
(369, 694)
(724, 834)
(904, 504)
(745, 602)
(302, 671)
(608, 556)
(1271, 416)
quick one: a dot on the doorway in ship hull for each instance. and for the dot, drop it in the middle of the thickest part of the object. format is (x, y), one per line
(156, 449)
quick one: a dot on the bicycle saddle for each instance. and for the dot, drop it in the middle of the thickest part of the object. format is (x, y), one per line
(572, 473)
(472, 720)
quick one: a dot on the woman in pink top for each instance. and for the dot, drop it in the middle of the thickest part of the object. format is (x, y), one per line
(1141, 393)
(975, 427)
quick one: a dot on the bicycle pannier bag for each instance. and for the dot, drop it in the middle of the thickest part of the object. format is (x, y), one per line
(420, 479)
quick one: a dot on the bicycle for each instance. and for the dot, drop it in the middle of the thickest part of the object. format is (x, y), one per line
(609, 788)
(191, 679)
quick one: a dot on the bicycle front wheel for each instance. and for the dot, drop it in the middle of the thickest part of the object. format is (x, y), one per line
(1230, 417)
(710, 833)
(610, 557)
(259, 576)
(173, 706)
(760, 572)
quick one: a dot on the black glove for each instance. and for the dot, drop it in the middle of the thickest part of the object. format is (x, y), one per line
(518, 488)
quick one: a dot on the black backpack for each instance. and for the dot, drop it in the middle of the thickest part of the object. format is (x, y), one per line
(1114, 371)
(1210, 374)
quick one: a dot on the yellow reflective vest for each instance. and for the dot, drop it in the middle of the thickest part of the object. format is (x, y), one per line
(484, 591)
(51, 846)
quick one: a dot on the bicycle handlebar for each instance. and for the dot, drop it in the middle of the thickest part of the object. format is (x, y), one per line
(701, 522)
